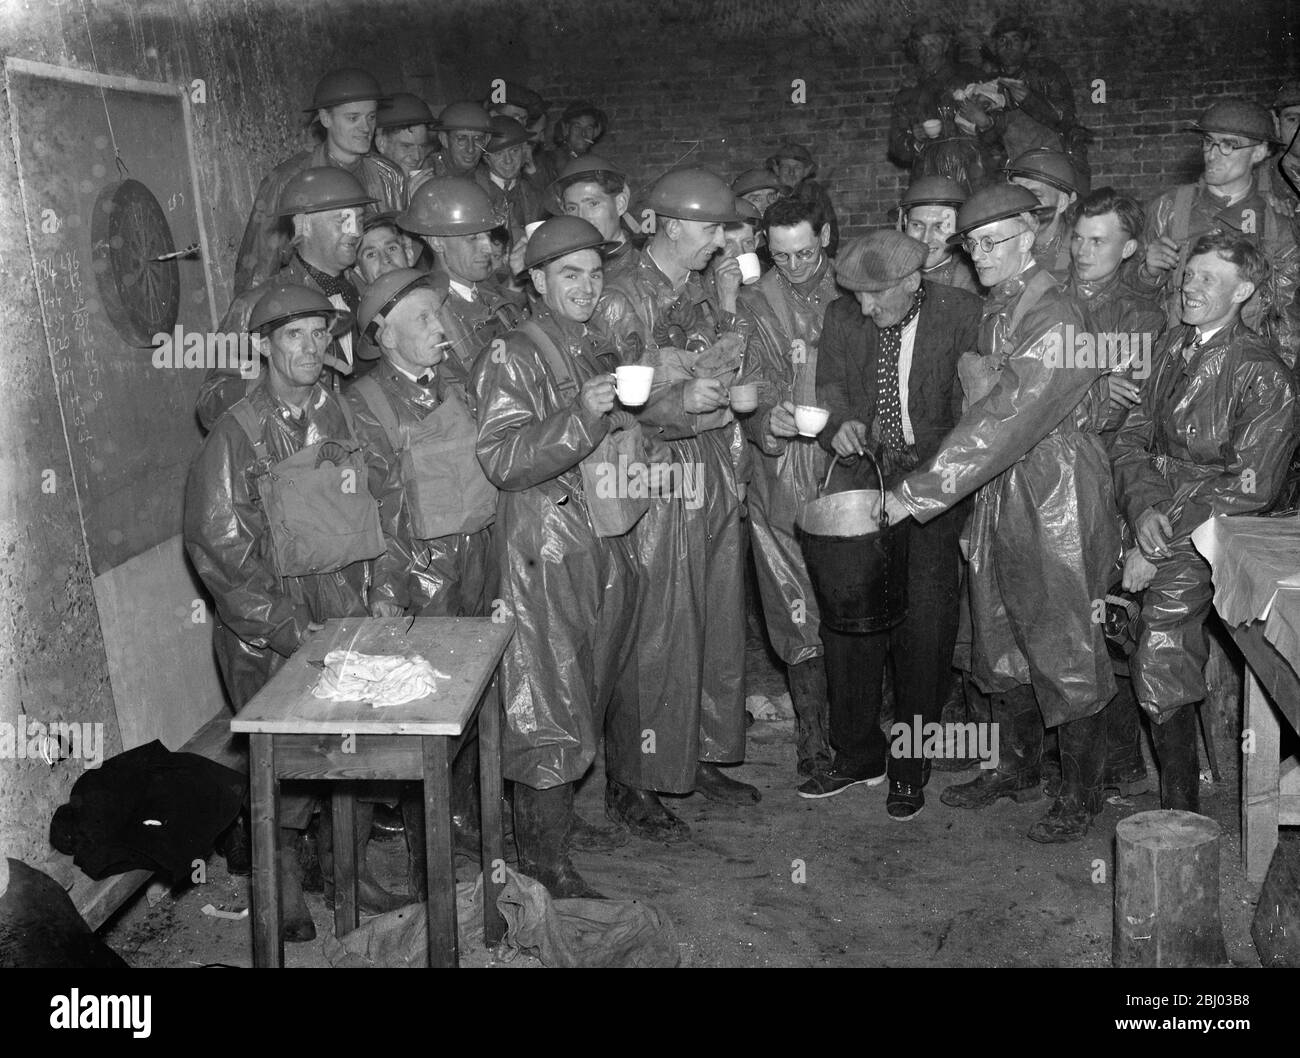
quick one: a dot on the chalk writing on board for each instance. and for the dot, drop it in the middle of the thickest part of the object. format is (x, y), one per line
(59, 279)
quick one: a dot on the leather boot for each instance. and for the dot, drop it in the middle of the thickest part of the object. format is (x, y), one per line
(811, 703)
(710, 782)
(589, 837)
(1082, 745)
(1126, 771)
(642, 813)
(372, 898)
(1178, 760)
(236, 845)
(1020, 750)
(296, 925)
(541, 827)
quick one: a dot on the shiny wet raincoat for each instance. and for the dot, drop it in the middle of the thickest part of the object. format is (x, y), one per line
(450, 576)
(570, 591)
(682, 698)
(786, 473)
(1044, 535)
(1212, 435)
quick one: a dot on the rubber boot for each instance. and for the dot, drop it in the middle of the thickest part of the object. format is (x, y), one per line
(1020, 750)
(1125, 771)
(812, 716)
(710, 782)
(235, 843)
(296, 925)
(372, 898)
(1083, 755)
(1178, 760)
(541, 830)
(642, 813)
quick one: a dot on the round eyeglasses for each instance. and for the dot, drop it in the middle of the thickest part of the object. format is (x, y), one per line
(985, 243)
(802, 256)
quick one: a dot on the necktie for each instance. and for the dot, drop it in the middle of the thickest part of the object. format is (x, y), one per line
(890, 405)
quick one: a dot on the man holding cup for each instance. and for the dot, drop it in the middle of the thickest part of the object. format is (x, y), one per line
(681, 710)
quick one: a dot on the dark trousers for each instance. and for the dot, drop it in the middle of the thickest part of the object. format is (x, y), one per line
(1178, 759)
(920, 648)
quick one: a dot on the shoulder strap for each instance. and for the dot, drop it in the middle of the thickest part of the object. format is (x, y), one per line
(247, 418)
(381, 407)
(556, 361)
(1180, 222)
(1033, 294)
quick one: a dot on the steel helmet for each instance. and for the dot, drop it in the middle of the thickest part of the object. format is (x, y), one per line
(559, 236)
(755, 180)
(1238, 117)
(506, 132)
(589, 166)
(283, 302)
(693, 194)
(321, 188)
(1046, 166)
(349, 85)
(933, 191)
(993, 203)
(448, 205)
(404, 108)
(469, 117)
(383, 294)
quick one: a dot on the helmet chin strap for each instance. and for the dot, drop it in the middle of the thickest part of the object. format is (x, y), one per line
(1281, 158)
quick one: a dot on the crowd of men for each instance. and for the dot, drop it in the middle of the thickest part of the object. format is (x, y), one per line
(441, 302)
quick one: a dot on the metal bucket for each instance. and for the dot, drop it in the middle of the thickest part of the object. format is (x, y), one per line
(857, 561)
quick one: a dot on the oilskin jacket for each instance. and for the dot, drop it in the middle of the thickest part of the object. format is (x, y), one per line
(1044, 535)
(517, 207)
(472, 324)
(1213, 435)
(570, 591)
(957, 272)
(686, 683)
(261, 617)
(265, 247)
(449, 576)
(920, 102)
(1184, 213)
(784, 329)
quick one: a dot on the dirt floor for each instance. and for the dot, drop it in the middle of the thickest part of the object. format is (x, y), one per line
(791, 882)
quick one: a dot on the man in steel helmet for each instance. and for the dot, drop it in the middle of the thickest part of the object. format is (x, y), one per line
(1048, 174)
(463, 129)
(403, 131)
(500, 174)
(344, 104)
(579, 129)
(928, 213)
(597, 191)
(1236, 138)
(1284, 177)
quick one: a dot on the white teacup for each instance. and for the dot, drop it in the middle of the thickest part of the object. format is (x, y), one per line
(810, 419)
(750, 268)
(632, 383)
(932, 128)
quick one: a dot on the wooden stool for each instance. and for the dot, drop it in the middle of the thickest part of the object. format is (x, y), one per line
(1167, 891)
(295, 735)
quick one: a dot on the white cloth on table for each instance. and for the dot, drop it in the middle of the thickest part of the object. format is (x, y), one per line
(380, 679)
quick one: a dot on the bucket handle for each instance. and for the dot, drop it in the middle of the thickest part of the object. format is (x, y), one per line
(884, 518)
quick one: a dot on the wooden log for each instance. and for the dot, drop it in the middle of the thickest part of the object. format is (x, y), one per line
(1275, 928)
(1167, 891)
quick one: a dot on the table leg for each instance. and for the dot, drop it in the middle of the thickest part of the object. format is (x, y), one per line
(441, 867)
(1259, 780)
(268, 947)
(343, 807)
(492, 851)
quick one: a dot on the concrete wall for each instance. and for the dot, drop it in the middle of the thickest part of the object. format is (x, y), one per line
(703, 81)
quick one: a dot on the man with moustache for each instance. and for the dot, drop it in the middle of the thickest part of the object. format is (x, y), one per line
(267, 595)
(928, 213)
(544, 406)
(1213, 435)
(513, 198)
(685, 685)
(325, 205)
(1048, 174)
(785, 309)
(1236, 137)
(1044, 531)
(596, 190)
(887, 371)
(345, 105)
(403, 130)
(454, 216)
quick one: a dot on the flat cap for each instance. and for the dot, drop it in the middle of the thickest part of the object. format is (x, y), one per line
(879, 260)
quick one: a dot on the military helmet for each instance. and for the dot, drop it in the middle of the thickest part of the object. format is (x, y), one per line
(348, 85)
(320, 188)
(1238, 117)
(559, 236)
(1046, 166)
(993, 203)
(384, 293)
(404, 108)
(933, 191)
(283, 302)
(586, 165)
(693, 194)
(448, 205)
(464, 117)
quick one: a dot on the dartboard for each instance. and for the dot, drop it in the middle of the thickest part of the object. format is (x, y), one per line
(140, 294)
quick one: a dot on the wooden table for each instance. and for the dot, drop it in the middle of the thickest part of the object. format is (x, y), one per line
(294, 735)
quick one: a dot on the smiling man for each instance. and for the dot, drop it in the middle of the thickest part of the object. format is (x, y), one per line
(1044, 531)
(403, 130)
(513, 198)
(597, 191)
(579, 129)
(345, 105)
(463, 131)
(928, 213)
(1212, 435)
(794, 168)
(1236, 138)
(1048, 174)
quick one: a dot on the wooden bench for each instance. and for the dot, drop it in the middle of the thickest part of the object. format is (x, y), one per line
(98, 901)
